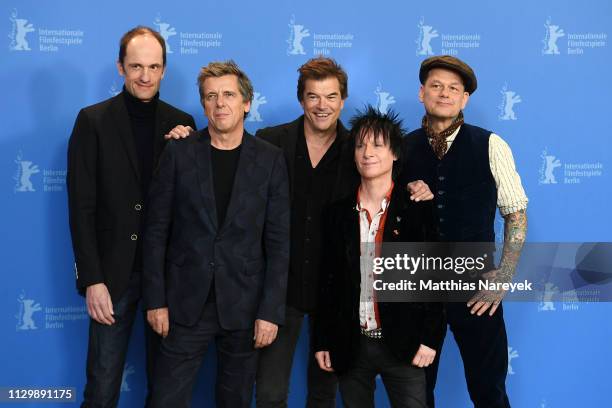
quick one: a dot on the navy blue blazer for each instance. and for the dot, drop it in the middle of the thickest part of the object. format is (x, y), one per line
(185, 251)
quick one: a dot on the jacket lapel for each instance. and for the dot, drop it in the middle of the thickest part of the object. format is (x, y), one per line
(124, 130)
(288, 144)
(161, 126)
(241, 179)
(352, 240)
(346, 175)
(203, 162)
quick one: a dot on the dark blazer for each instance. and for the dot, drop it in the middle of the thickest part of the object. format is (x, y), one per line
(247, 257)
(302, 288)
(405, 326)
(285, 136)
(104, 191)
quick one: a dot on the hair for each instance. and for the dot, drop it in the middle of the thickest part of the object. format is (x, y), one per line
(385, 126)
(217, 69)
(320, 68)
(135, 32)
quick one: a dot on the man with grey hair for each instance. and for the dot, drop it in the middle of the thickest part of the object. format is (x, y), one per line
(217, 245)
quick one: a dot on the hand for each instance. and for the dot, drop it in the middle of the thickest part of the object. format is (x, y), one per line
(324, 361)
(419, 191)
(485, 299)
(159, 320)
(424, 356)
(99, 304)
(179, 132)
(265, 333)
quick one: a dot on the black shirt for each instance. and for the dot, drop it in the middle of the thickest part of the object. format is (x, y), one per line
(313, 189)
(224, 164)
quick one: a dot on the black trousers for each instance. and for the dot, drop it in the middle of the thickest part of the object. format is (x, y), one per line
(405, 384)
(483, 345)
(181, 355)
(108, 346)
(275, 361)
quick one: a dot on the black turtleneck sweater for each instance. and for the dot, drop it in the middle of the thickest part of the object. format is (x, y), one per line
(142, 120)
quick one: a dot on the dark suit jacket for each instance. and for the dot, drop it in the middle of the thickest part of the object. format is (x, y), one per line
(104, 190)
(285, 136)
(247, 257)
(405, 326)
(302, 288)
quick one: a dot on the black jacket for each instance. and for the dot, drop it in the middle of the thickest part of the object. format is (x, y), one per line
(303, 282)
(404, 325)
(246, 258)
(105, 200)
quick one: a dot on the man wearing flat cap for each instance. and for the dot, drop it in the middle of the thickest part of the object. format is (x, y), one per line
(471, 171)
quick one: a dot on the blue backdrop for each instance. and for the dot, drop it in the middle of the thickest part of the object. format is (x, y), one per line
(543, 69)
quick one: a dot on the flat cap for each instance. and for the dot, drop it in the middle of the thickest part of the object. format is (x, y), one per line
(453, 64)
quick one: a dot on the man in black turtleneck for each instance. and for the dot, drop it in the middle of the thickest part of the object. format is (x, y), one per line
(112, 152)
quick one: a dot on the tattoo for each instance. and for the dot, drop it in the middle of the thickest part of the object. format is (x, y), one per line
(515, 230)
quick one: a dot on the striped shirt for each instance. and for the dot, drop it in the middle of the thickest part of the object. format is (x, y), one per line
(371, 230)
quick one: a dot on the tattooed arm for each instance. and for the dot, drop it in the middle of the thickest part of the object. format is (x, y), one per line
(515, 230)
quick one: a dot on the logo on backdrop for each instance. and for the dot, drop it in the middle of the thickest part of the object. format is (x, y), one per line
(23, 176)
(572, 173)
(576, 43)
(450, 44)
(25, 314)
(128, 370)
(553, 33)
(54, 180)
(383, 99)
(297, 32)
(509, 99)
(32, 316)
(49, 40)
(426, 34)
(166, 32)
(19, 31)
(258, 100)
(321, 43)
(115, 89)
(547, 304)
(190, 43)
(512, 354)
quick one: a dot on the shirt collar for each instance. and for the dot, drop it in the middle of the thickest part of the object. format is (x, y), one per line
(383, 205)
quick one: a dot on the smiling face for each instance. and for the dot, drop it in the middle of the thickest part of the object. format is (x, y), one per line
(373, 157)
(142, 67)
(322, 102)
(443, 95)
(224, 105)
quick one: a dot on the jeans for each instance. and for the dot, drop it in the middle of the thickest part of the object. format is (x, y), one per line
(107, 349)
(272, 388)
(404, 383)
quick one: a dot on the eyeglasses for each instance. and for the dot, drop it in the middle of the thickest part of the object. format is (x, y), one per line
(452, 89)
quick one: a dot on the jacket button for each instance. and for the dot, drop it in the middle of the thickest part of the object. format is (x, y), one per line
(441, 178)
(440, 205)
(441, 192)
(134, 237)
(211, 264)
(138, 207)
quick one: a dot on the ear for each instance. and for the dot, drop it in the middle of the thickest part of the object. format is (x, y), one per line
(466, 98)
(120, 69)
(342, 104)
(421, 93)
(247, 106)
